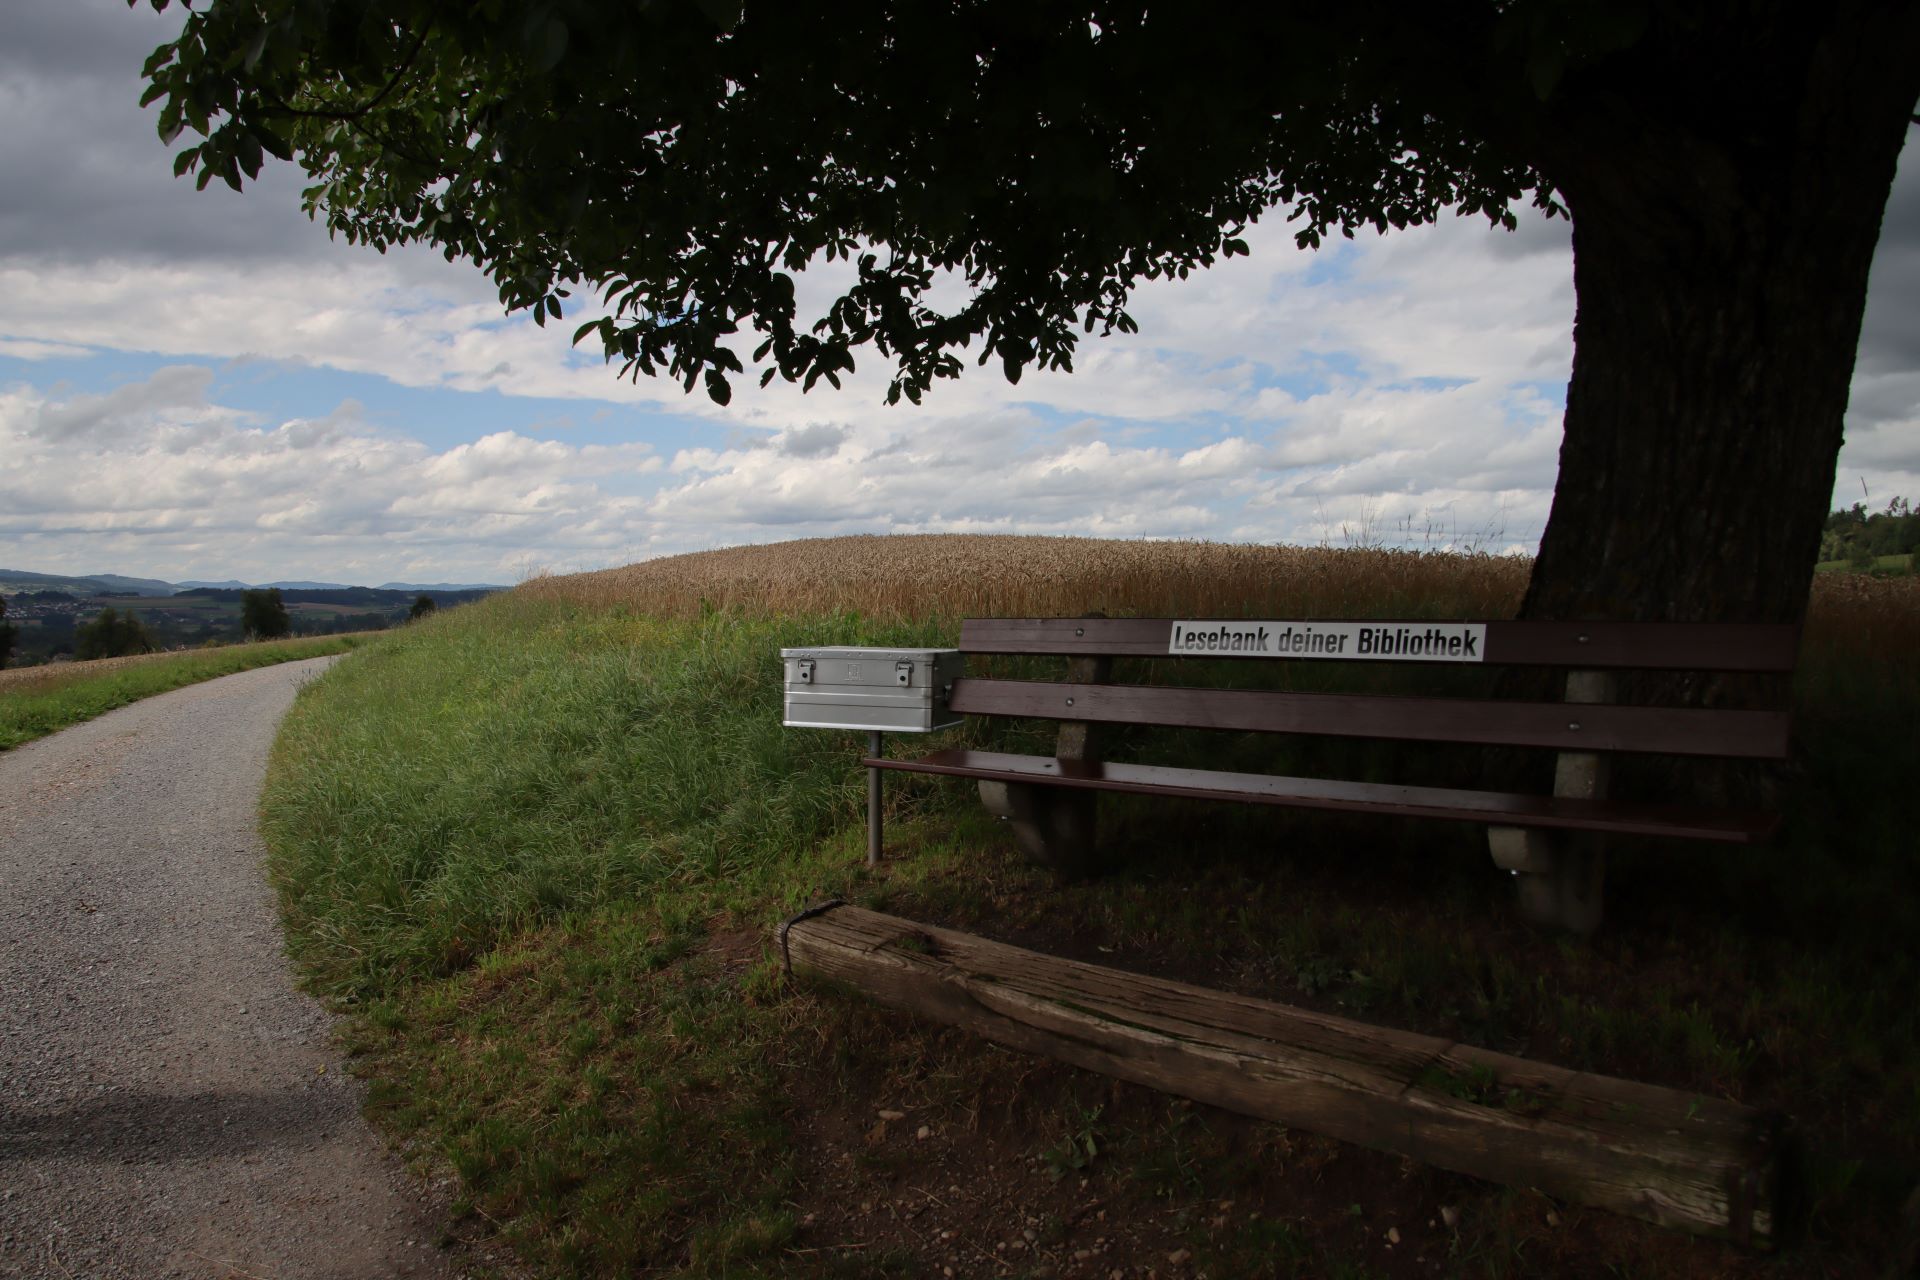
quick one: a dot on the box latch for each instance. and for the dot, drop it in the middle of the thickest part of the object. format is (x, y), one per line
(806, 671)
(903, 673)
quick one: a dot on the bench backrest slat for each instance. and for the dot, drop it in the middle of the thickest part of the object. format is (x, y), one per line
(1561, 726)
(1676, 646)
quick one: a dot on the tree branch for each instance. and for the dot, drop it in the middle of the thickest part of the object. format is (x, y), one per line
(406, 65)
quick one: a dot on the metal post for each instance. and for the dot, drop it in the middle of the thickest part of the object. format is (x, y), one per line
(877, 744)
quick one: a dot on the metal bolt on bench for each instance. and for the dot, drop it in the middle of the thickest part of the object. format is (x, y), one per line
(879, 690)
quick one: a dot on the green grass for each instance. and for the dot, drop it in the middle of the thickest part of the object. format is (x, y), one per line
(1881, 564)
(505, 834)
(538, 850)
(41, 701)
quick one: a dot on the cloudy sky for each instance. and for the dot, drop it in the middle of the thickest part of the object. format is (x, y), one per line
(202, 385)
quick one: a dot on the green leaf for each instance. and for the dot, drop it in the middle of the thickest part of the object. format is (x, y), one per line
(276, 146)
(552, 46)
(717, 389)
(251, 156)
(725, 14)
(1544, 70)
(255, 47)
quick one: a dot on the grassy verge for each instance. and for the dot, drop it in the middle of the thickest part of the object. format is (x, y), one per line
(1881, 564)
(537, 847)
(37, 701)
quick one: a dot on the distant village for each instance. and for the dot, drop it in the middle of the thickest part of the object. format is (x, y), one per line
(46, 620)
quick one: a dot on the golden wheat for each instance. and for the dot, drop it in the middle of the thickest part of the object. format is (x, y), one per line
(947, 576)
(1854, 615)
(972, 575)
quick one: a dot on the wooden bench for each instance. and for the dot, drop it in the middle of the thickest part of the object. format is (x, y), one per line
(1551, 842)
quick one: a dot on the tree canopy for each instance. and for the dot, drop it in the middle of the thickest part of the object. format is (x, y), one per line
(263, 614)
(8, 632)
(685, 159)
(111, 634)
(690, 157)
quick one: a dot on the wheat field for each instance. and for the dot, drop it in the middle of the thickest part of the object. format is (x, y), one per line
(973, 575)
(950, 576)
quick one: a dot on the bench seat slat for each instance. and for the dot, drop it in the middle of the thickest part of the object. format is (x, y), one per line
(1504, 809)
(1561, 726)
(1677, 646)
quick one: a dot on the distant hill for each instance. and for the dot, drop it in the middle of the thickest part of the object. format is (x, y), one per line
(46, 610)
(292, 585)
(234, 584)
(16, 581)
(13, 581)
(347, 597)
(133, 586)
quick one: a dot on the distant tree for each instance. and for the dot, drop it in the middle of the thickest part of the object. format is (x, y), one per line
(422, 606)
(263, 615)
(111, 634)
(1861, 538)
(7, 632)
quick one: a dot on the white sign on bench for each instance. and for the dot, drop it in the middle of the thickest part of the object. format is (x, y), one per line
(1363, 641)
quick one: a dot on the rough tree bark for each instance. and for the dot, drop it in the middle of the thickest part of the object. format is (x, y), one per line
(1721, 277)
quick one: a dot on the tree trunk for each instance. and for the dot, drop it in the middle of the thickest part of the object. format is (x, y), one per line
(1726, 203)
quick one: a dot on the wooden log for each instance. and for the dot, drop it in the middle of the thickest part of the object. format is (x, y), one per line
(1701, 1164)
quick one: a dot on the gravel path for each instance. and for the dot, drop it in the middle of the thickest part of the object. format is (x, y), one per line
(169, 1104)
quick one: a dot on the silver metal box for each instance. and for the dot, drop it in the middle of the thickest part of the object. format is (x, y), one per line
(893, 690)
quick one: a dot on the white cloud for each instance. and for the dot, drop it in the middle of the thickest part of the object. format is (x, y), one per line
(1179, 431)
(1403, 387)
(177, 482)
(1204, 346)
(1407, 397)
(28, 349)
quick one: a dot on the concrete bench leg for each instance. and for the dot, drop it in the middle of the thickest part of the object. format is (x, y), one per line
(1056, 827)
(1561, 875)
(1559, 878)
